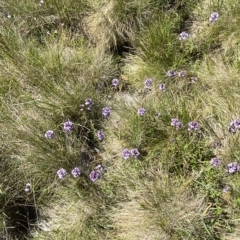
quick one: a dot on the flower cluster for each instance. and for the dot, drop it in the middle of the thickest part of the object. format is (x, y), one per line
(100, 135)
(193, 126)
(171, 73)
(61, 173)
(76, 172)
(162, 87)
(126, 153)
(233, 167)
(148, 83)
(27, 187)
(234, 126)
(182, 73)
(49, 134)
(89, 103)
(193, 79)
(215, 162)
(183, 35)
(68, 126)
(214, 17)
(96, 174)
(176, 123)
(141, 111)
(106, 112)
(115, 82)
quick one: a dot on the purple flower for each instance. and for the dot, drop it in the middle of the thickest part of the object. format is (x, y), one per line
(162, 87)
(94, 176)
(171, 73)
(234, 125)
(76, 172)
(126, 153)
(106, 111)
(99, 169)
(49, 134)
(148, 83)
(115, 82)
(68, 126)
(141, 111)
(233, 167)
(176, 123)
(215, 162)
(135, 153)
(226, 189)
(89, 103)
(193, 126)
(183, 36)
(100, 135)
(193, 79)
(214, 17)
(182, 73)
(27, 187)
(61, 173)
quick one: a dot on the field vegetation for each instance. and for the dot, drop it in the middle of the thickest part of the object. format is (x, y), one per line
(119, 119)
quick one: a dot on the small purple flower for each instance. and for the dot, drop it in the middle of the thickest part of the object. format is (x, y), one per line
(106, 111)
(141, 111)
(182, 73)
(148, 83)
(233, 167)
(215, 162)
(176, 123)
(226, 189)
(193, 79)
(162, 87)
(115, 82)
(171, 73)
(49, 134)
(193, 126)
(68, 126)
(61, 173)
(214, 17)
(135, 153)
(100, 135)
(126, 153)
(99, 168)
(183, 36)
(94, 176)
(76, 172)
(234, 125)
(88, 101)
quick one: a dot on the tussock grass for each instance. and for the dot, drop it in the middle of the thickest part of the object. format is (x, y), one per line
(56, 54)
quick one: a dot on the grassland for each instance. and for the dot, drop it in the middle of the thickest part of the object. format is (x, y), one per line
(141, 97)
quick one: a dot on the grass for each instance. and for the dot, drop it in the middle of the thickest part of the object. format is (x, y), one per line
(56, 54)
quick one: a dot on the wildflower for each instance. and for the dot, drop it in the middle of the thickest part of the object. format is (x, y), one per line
(126, 153)
(61, 173)
(183, 36)
(148, 83)
(49, 134)
(68, 126)
(214, 17)
(234, 125)
(88, 101)
(193, 126)
(162, 87)
(94, 176)
(115, 82)
(135, 153)
(76, 172)
(226, 189)
(215, 162)
(81, 107)
(233, 167)
(193, 79)
(99, 169)
(141, 111)
(171, 73)
(182, 73)
(176, 123)
(100, 135)
(106, 111)
(27, 187)
(9, 16)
